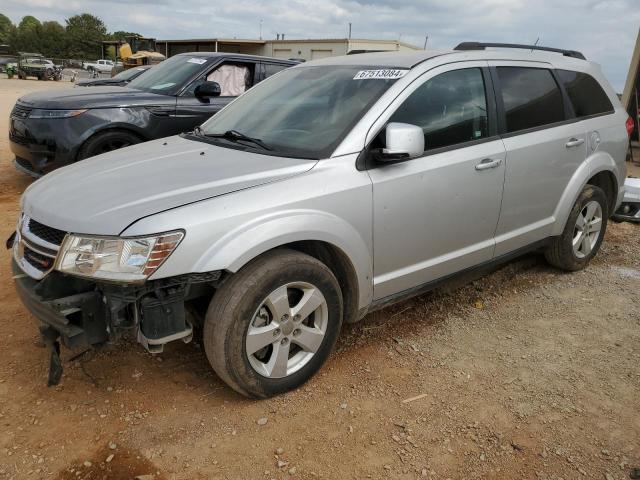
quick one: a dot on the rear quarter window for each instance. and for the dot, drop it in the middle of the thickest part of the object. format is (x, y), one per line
(586, 95)
(272, 68)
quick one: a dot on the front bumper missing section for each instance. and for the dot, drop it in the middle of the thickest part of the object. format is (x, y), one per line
(80, 313)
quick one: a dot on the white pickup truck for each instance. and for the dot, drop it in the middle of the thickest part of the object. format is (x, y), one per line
(98, 66)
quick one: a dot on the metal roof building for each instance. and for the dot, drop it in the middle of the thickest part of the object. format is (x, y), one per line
(305, 49)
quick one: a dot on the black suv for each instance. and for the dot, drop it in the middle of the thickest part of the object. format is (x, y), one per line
(48, 130)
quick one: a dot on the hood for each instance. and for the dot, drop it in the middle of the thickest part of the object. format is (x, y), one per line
(97, 97)
(113, 82)
(105, 194)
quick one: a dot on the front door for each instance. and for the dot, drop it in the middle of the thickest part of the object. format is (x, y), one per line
(437, 214)
(234, 78)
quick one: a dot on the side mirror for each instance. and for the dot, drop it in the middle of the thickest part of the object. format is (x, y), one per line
(207, 90)
(403, 141)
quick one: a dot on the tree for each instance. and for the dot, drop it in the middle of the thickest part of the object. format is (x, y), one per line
(121, 35)
(53, 40)
(85, 33)
(28, 22)
(111, 52)
(5, 28)
(27, 37)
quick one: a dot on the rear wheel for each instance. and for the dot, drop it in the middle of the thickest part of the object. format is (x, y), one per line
(583, 233)
(273, 324)
(106, 142)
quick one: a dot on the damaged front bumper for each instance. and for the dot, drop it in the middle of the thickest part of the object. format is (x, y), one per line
(82, 313)
(87, 313)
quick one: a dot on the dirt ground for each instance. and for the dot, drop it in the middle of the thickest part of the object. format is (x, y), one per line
(527, 373)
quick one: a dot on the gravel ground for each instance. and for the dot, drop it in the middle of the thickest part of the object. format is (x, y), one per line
(526, 373)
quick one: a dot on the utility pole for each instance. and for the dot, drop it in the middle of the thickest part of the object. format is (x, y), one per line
(349, 30)
(426, 39)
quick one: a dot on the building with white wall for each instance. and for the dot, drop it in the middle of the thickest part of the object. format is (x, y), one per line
(304, 49)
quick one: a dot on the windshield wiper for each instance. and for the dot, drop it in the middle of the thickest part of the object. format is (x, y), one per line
(233, 135)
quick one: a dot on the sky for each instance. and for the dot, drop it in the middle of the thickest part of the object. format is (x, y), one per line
(604, 30)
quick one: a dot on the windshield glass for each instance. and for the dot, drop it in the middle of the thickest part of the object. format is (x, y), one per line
(170, 76)
(130, 73)
(303, 111)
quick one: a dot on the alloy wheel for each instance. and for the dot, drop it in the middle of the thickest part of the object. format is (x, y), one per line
(287, 330)
(587, 229)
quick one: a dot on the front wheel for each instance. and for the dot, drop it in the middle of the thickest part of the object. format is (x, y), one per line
(106, 142)
(583, 233)
(273, 324)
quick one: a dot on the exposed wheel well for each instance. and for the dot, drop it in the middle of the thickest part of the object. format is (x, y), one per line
(342, 268)
(607, 182)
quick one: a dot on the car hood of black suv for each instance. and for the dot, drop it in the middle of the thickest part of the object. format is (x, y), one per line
(101, 82)
(95, 97)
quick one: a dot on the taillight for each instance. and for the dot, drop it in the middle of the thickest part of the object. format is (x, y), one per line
(630, 126)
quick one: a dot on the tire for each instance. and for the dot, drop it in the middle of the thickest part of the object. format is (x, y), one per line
(590, 205)
(241, 305)
(106, 142)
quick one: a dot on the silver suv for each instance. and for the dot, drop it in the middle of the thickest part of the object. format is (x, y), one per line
(332, 189)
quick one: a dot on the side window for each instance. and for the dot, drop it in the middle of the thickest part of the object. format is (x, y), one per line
(585, 93)
(234, 78)
(531, 97)
(272, 68)
(451, 108)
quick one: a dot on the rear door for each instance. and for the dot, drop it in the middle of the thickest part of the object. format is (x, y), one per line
(270, 68)
(544, 148)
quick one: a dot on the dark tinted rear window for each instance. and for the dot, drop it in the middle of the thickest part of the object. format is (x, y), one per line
(531, 97)
(585, 93)
(272, 69)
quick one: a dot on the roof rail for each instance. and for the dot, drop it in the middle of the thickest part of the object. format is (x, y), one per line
(483, 45)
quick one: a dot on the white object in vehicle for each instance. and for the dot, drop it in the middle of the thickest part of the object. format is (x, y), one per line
(630, 208)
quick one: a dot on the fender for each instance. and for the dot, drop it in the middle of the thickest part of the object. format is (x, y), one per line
(135, 126)
(598, 162)
(244, 243)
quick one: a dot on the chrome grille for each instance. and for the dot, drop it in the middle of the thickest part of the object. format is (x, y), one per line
(20, 111)
(36, 247)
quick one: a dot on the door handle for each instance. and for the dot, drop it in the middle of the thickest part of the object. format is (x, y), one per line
(488, 163)
(574, 142)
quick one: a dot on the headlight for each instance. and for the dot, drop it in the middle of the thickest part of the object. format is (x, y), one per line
(116, 258)
(40, 113)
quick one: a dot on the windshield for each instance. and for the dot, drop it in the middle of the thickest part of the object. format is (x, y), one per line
(170, 76)
(130, 73)
(303, 111)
